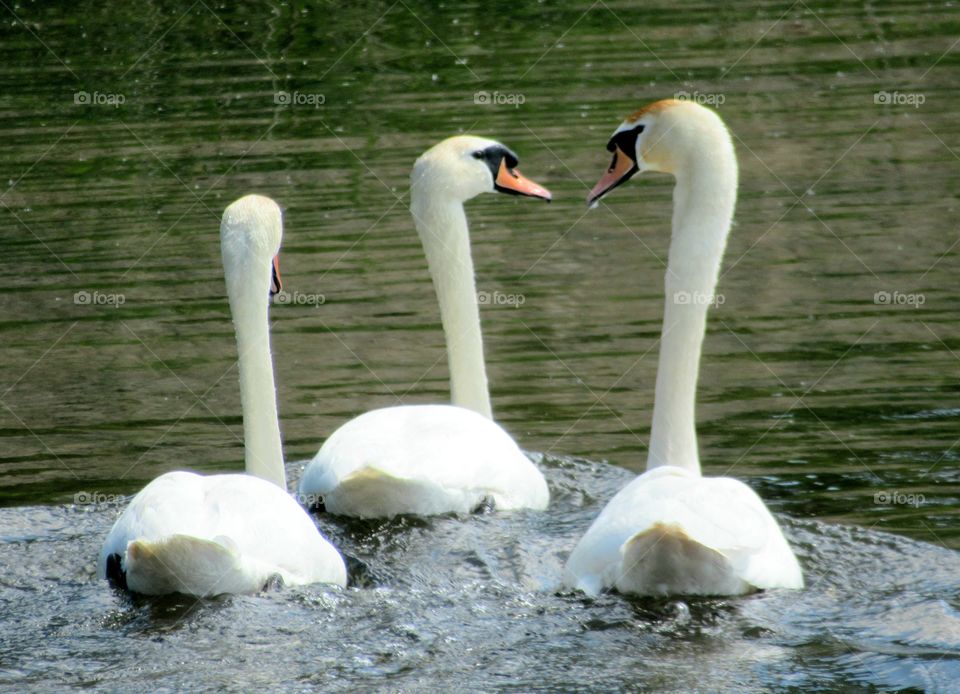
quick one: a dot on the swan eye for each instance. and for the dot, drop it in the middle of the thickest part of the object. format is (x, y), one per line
(478, 154)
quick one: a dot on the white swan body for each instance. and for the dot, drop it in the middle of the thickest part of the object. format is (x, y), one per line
(206, 535)
(231, 533)
(672, 531)
(429, 459)
(423, 459)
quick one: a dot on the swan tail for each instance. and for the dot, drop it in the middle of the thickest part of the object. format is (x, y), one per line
(374, 493)
(665, 560)
(190, 565)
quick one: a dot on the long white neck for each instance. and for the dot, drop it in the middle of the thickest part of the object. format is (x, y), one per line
(247, 286)
(703, 203)
(442, 226)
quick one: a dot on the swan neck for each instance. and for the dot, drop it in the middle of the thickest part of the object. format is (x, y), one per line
(263, 450)
(442, 226)
(704, 199)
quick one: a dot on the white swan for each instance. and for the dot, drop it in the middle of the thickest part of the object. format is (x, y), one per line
(428, 459)
(235, 533)
(671, 531)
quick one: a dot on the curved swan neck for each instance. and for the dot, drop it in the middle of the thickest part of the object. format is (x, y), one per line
(442, 226)
(703, 201)
(248, 288)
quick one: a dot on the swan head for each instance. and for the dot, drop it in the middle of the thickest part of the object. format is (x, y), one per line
(464, 166)
(250, 236)
(663, 136)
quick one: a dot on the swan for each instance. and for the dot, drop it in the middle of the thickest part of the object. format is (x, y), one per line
(672, 531)
(205, 535)
(431, 459)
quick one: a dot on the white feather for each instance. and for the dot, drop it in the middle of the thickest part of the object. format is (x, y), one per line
(422, 459)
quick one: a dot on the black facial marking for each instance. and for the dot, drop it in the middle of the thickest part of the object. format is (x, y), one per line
(626, 141)
(486, 506)
(115, 573)
(492, 156)
(276, 286)
(275, 582)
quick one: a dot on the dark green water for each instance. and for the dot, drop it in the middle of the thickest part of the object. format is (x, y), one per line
(829, 399)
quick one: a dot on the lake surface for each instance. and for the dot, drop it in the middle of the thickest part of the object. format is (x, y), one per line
(828, 384)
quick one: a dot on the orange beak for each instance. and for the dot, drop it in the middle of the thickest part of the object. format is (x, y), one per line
(512, 182)
(275, 284)
(621, 169)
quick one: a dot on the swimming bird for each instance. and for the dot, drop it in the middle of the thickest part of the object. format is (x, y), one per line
(431, 459)
(205, 535)
(672, 531)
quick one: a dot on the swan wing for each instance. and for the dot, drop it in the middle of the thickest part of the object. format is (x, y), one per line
(421, 459)
(671, 531)
(205, 535)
